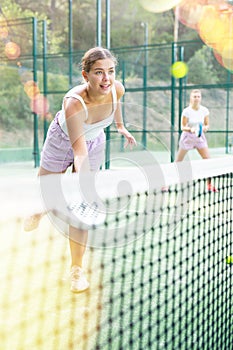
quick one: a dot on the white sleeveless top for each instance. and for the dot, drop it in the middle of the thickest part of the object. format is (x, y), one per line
(194, 116)
(91, 131)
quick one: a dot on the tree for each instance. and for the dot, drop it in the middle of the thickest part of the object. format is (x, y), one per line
(201, 69)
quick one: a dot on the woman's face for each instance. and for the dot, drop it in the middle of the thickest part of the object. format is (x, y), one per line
(195, 98)
(101, 76)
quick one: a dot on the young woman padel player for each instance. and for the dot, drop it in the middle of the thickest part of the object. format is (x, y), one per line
(76, 138)
(195, 117)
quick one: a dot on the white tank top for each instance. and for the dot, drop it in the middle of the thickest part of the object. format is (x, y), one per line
(91, 131)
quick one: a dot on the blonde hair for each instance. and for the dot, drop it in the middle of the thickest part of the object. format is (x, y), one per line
(95, 54)
(195, 91)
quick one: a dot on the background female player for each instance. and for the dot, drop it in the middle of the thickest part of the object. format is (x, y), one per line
(76, 138)
(192, 115)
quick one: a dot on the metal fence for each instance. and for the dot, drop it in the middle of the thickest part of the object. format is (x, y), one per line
(153, 100)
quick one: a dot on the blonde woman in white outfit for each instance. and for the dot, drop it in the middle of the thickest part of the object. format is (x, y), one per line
(192, 115)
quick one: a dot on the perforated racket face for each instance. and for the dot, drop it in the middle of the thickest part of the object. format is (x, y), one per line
(88, 213)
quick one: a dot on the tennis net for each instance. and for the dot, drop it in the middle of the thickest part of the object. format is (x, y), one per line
(159, 266)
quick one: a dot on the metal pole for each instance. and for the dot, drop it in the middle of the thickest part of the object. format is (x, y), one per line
(146, 42)
(181, 55)
(98, 23)
(108, 135)
(173, 82)
(227, 113)
(123, 103)
(228, 101)
(144, 133)
(45, 83)
(176, 25)
(70, 43)
(35, 116)
(108, 29)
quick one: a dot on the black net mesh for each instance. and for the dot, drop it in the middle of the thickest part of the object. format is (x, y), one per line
(160, 276)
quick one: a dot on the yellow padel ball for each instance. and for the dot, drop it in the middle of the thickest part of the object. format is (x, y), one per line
(229, 259)
(179, 69)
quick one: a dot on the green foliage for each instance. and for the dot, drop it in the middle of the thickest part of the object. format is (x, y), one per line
(201, 69)
(14, 108)
(15, 111)
(126, 19)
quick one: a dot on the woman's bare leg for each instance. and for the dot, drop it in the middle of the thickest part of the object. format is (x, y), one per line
(77, 238)
(78, 241)
(180, 155)
(204, 152)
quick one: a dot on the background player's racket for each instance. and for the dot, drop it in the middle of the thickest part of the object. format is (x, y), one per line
(198, 130)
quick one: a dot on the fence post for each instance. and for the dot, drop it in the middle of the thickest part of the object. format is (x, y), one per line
(123, 104)
(70, 43)
(173, 82)
(144, 130)
(227, 112)
(35, 116)
(45, 84)
(108, 40)
(98, 23)
(181, 58)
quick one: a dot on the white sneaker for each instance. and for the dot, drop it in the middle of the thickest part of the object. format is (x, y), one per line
(79, 282)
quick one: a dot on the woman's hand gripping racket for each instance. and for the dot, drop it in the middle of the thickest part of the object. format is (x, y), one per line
(198, 129)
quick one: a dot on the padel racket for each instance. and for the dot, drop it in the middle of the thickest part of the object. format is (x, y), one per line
(198, 129)
(82, 214)
(63, 198)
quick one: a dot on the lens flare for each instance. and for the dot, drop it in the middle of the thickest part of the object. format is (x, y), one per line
(31, 88)
(12, 50)
(214, 26)
(189, 11)
(3, 29)
(158, 5)
(227, 63)
(227, 51)
(218, 58)
(40, 105)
